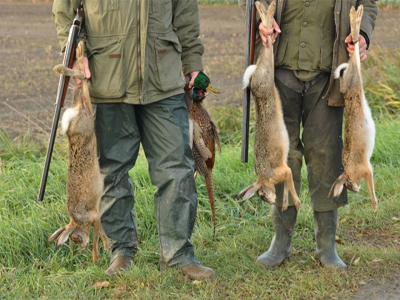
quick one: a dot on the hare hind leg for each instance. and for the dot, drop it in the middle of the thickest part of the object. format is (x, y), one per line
(63, 70)
(289, 185)
(371, 189)
(266, 15)
(95, 247)
(337, 186)
(104, 237)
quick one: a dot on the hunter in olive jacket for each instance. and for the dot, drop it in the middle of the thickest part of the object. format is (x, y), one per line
(342, 23)
(137, 49)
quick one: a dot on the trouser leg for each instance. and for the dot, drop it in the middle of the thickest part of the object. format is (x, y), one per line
(321, 144)
(118, 145)
(322, 139)
(164, 130)
(292, 106)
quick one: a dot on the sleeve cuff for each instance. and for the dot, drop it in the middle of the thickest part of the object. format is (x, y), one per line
(365, 37)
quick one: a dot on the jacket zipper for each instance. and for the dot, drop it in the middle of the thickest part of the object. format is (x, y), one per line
(139, 53)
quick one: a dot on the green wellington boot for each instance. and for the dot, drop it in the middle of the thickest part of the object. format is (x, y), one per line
(118, 265)
(325, 224)
(281, 245)
(196, 271)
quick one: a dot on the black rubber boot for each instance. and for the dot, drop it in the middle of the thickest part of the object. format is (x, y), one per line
(196, 271)
(325, 224)
(119, 264)
(281, 245)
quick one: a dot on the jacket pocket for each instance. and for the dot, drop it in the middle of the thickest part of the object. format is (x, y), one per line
(160, 6)
(327, 41)
(168, 62)
(281, 50)
(107, 68)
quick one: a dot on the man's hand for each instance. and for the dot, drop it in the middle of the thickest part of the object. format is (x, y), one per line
(77, 81)
(362, 43)
(273, 32)
(193, 75)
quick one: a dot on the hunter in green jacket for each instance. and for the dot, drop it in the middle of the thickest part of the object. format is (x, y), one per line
(138, 52)
(311, 39)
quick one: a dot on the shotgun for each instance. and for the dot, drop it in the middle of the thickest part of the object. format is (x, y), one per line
(249, 58)
(68, 61)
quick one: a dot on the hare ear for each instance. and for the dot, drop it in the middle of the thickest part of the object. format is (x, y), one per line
(64, 236)
(56, 234)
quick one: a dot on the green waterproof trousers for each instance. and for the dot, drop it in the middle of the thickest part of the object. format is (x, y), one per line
(162, 128)
(315, 132)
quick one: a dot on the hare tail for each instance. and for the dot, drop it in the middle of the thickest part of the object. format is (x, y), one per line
(340, 70)
(247, 75)
(67, 118)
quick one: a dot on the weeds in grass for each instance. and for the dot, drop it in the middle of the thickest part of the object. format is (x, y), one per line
(382, 83)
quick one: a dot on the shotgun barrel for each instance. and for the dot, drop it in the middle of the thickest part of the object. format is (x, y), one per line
(249, 58)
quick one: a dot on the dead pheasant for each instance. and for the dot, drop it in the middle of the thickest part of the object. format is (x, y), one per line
(204, 138)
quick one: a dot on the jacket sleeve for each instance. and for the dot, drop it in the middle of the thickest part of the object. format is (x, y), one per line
(187, 27)
(63, 14)
(369, 17)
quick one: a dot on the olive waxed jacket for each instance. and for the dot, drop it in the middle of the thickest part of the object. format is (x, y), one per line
(342, 23)
(137, 49)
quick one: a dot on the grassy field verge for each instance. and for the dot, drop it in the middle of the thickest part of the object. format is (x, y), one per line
(31, 268)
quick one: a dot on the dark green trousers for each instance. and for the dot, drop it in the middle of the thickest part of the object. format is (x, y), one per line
(315, 133)
(162, 129)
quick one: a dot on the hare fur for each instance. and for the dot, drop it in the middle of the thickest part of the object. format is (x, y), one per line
(359, 131)
(271, 146)
(85, 183)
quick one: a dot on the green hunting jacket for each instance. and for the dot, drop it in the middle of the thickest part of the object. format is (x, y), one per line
(138, 50)
(342, 24)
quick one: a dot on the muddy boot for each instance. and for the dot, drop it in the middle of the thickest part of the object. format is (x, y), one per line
(325, 224)
(281, 245)
(119, 264)
(196, 271)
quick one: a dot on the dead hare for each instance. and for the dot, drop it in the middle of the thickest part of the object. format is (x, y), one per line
(85, 183)
(271, 146)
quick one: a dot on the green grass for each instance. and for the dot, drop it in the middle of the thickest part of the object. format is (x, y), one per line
(389, 3)
(31, 268)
